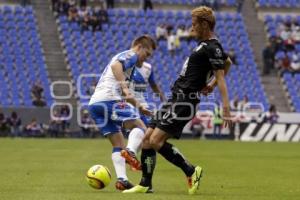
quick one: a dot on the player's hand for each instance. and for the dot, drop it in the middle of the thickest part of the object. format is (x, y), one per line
(145, 111)
(227, 117)
(207, 90)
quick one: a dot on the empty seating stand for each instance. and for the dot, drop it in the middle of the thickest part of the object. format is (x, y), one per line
(292, 82)
(182, 2)
(88, 52)
(21, 57)
(279, 3)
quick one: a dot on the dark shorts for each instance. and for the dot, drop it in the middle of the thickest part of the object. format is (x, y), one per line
(174, 115)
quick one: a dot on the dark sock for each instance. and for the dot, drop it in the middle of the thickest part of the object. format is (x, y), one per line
(148, 160)
(171, 153)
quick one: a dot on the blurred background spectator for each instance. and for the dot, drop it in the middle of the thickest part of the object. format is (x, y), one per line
(110, 4)
(89, 18)
(102, 15)
(283, 47)
(34, 129)
(15, 125)
(92, 87)
(37, 95)
(172, 42)
(197, 127)
(147, 4)
(54, 125)
(234, 104)
(4, 125)
(73, 14)
(218, 121)
(271, 116)
(65, 120)
(239, 5)
(182, 33)
(268, 58)
(83, 3)
(243, 103)
(25, 2)
(86, 125)
(161, 32)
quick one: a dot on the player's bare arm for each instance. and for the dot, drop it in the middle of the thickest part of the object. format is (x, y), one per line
(210, 87)
(220, 77)
(156, 89)
(117, 70)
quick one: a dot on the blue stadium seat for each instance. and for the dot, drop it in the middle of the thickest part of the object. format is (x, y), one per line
(93, 51)
(21, 53)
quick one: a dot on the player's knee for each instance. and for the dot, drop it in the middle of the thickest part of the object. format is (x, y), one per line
(156, 143)
(146, 144)
(134, 124)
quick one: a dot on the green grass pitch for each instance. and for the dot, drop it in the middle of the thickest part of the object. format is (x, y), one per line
(46, 169)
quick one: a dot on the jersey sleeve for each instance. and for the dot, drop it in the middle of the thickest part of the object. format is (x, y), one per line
(151, 78)
(217, 57)
(128, 60)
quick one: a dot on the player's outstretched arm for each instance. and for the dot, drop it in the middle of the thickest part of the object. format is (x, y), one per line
(220, 76)
(117, 70)
(156, 89)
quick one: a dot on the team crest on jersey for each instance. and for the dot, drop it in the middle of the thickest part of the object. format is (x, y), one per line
(114, 115)
(218, 53)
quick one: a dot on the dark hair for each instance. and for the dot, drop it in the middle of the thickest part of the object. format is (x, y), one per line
(14, 115)
(145, 41)
(272, 108)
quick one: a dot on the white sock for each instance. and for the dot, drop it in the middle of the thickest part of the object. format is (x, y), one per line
(135, 139)
(119, 163)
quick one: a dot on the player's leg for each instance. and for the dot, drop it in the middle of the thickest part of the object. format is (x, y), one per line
(110, 129)
(129, 117)
(171, 125)
(148, 161)
(118, 143)
(135, 138)
(136, 134)
(158, 141)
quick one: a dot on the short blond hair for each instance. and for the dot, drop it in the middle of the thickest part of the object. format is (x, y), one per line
(204, 13)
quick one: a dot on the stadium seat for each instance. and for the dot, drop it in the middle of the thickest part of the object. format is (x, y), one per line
(21, 55)
(289, 80)
(278, 3)
(87, 52)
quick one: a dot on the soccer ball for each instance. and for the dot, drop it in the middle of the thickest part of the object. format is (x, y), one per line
(98, 176)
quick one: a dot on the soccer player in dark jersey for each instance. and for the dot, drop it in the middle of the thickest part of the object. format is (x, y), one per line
(206, 59)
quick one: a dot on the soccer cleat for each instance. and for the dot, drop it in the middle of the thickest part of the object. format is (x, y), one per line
(194, 180)
(131, 159)
(123, 185)
(138, 189)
